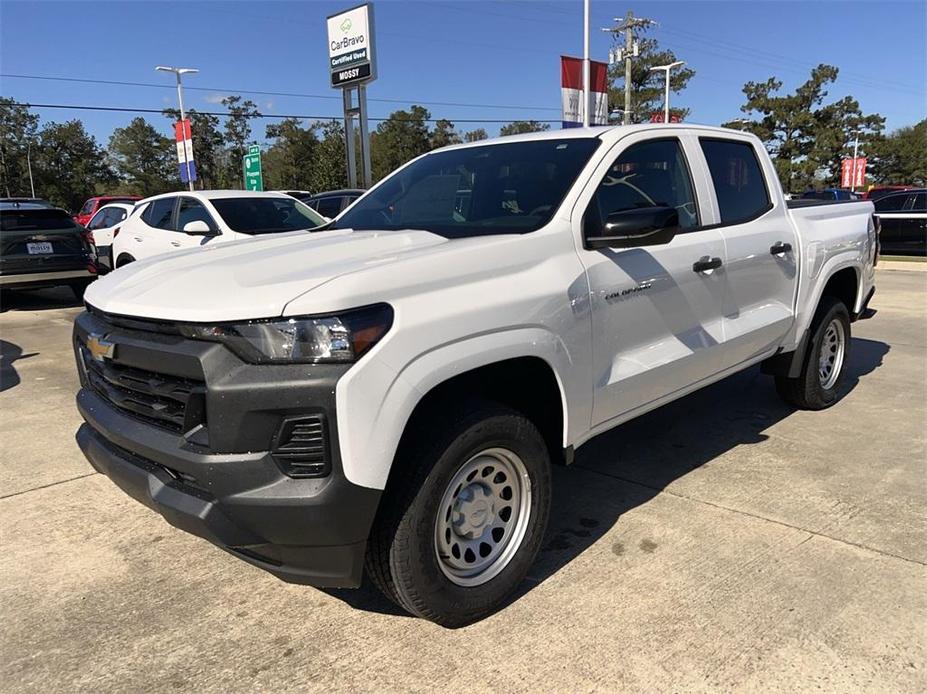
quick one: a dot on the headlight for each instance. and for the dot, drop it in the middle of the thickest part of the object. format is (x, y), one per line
(340, 338)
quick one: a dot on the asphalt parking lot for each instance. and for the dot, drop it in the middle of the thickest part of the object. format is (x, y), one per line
(722, 542)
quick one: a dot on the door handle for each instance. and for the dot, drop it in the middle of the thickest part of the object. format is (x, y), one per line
(779, 248)
(175, 244)
(138, 238)
(704, 264)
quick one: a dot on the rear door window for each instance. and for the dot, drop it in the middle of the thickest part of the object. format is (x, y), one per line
(920, 203)
(738, 179)
(328, 207)
(159, 213)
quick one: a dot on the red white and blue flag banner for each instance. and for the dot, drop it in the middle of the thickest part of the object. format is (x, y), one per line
(185, 150)
(571, 92)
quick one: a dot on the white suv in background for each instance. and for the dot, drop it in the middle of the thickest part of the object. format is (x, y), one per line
(173, 221)
(104, 226)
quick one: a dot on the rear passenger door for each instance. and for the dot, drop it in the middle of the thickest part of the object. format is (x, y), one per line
(191, 210)
(153, 236)
(761, 246)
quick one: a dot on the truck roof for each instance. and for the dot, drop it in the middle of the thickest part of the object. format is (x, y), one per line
(596, 131)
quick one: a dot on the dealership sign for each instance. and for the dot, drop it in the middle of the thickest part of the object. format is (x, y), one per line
(571, 92)
(853, 172)
(351, 55)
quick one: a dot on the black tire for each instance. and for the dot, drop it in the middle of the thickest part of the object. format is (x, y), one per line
(79, 288)
(124, 260)
(806, 392)
(402, 557)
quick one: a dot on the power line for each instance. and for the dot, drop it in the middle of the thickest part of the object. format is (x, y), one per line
(121, 83)
(126, 109)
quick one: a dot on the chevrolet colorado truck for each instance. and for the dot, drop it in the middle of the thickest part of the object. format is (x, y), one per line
(386, 396)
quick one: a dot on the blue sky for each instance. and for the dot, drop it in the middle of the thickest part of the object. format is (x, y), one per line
(496, 60)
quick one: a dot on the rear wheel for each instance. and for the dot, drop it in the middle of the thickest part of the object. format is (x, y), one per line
(464, 516)
(823, 369)
(79, 288)
(124, 259)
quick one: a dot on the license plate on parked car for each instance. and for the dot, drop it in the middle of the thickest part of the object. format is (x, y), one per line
(37, 248)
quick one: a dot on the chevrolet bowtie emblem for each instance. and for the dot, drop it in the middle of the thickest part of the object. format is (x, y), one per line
(100, 348)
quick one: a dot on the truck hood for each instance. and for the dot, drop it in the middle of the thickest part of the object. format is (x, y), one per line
(253, 278)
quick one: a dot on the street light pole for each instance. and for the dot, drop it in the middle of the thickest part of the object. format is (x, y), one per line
(586, 120)
(29, 164)
(178, 71)
(667, 69)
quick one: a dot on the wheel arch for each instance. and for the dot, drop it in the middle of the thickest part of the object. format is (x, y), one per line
(378, 405)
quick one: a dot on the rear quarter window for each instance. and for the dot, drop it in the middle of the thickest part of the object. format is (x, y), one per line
(738, 179)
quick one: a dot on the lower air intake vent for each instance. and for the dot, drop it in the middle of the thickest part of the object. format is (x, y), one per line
(302, 447)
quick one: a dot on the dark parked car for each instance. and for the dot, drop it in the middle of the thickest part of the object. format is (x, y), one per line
(903, 218)
(881, 191)
(332, 202)
(44, 247)
(23, 203)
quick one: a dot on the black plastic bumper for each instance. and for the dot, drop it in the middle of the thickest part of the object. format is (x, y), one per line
(310, 531)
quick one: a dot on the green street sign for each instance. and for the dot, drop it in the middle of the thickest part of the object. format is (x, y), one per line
(254, 178)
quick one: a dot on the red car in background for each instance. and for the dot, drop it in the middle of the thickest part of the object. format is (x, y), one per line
(90, 207)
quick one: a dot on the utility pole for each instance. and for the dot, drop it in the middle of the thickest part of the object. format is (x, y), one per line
(667, 69)
(628, 25)
(178, 71)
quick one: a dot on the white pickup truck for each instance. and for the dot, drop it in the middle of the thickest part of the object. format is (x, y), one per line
(388, 395)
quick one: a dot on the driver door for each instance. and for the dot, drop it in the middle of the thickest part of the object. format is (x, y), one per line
(656, 315)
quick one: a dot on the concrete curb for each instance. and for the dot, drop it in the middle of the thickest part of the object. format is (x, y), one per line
(905, 265)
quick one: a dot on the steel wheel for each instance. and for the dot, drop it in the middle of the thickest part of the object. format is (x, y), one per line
(482, 517)
(833, 348)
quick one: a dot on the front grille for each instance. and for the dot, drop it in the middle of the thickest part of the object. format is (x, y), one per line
(302, 447)
(169, 402)
(130, 323)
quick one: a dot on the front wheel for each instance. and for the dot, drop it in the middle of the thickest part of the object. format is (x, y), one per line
(463, 517)
(823, 369)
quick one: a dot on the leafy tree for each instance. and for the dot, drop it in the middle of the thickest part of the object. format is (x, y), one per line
(523, 126)
(444, 134)
(475, 135)
(144, 159)
(68, 165)
(208, 145)
(804, 136)
(18, 128)
(648, 87)
(402, 137)
(330, 170)
(237, 137)
(901, 156)
(290, 161)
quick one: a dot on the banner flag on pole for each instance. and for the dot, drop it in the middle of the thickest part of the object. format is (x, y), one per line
(184, 136)
(571, 91)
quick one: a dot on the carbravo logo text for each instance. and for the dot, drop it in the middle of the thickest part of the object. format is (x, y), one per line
(347, 42)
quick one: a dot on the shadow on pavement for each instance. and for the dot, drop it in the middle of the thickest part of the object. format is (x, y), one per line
(10, 353)
(37, 299)
(643, 456)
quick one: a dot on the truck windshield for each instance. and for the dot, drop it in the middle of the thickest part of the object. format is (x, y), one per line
(508, 188)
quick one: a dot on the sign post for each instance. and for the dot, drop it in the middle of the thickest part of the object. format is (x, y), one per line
(251, 162)
(352, 63)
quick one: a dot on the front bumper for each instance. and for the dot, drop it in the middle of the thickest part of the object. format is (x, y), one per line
(217, 482)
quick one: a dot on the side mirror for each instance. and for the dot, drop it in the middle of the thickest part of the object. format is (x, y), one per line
(198, 228)
(645, 226)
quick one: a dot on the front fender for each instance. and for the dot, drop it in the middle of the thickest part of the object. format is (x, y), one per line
(374, 401)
